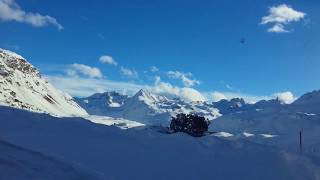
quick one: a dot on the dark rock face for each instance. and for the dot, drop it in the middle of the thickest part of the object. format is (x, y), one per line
(17, 63)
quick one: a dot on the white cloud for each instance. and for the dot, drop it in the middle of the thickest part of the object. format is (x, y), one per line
(185, 78)
(277, 28)
(71, 72)
(229, 87)
(190, 94)
(86, 70)
(280, 16)
(11, 11)
(108, 60)
(217, 96)
(154, 69)
(187, 94)
(129, 72)
(285, 97)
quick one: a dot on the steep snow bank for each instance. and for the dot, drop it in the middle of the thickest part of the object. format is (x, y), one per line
(18, 163)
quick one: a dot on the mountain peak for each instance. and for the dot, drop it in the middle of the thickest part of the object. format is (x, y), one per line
(22, 86)
(309, 98)
(11, 61)
(148, 97)
(12, 54)
(143, 92)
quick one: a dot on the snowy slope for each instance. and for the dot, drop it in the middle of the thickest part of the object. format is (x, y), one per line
(307, 103)
(118, 122)
(273, 116)
(17, 163)
(22, 86)
(229, 106)
(276, 121)
(281, 122)
(238, 105)
(145, 154)
(144, 107)
(107, 103)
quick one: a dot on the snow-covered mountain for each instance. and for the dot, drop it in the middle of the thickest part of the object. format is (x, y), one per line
(307, 103)
(40, 146)
(229, 106)
(144, 107)
(21, 86)
(267, 104)
(238, 105)
(107, 103)
(272, 116)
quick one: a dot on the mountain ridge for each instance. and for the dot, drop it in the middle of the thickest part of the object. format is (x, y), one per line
(22, 86)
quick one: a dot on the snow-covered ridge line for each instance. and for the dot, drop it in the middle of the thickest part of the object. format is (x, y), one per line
(144, 107)
(21, 86)
(10, 53)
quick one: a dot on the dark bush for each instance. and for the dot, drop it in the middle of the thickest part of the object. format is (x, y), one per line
(191, 124)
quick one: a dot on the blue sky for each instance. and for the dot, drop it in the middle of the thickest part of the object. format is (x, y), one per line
(169, 45)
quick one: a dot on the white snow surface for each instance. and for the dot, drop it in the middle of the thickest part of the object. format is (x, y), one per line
(144, 154)
(223, 134)
(22, 86)
(18, 163)
(268, 135)
(246, 134)
(109, 121)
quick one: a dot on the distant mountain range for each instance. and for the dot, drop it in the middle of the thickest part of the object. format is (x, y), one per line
(144, 107)
(21, 86)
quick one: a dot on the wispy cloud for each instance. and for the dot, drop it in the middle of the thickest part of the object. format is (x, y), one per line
(130, 73)
(280, 16)
(105, 59)
(11, 11)
(184, 77)
(154, 69)
(278, 28)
